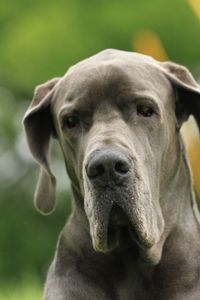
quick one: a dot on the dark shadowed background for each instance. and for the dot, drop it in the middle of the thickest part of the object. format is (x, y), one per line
(40, 40)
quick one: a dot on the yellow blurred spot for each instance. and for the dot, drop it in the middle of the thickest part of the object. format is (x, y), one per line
(147, 42)
(195, 4)
(192, 143)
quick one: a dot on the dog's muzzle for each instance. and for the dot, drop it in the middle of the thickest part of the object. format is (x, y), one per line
(117, 196)
(107, 170)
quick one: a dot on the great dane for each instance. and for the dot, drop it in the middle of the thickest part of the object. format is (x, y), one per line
(134, 232)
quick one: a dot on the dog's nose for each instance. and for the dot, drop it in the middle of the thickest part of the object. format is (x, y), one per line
(107, 164)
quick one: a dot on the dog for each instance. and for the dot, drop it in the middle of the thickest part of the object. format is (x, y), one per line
(134, 232)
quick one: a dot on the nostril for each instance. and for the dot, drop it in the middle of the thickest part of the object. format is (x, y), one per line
(122, 167)
(95, 171)
(99, 170)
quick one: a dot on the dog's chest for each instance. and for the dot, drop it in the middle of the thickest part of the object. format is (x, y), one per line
(153, 285)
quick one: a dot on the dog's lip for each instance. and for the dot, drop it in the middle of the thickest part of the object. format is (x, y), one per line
(118, 233)
(119, 220)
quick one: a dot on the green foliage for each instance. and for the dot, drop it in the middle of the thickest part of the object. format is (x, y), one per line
(27, 289)
(28, 239)
(40, 39)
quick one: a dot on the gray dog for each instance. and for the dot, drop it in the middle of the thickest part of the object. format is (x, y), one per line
(135, 227)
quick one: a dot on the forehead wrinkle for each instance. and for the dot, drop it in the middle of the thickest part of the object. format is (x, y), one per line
(90, 84)
(103, 75)
(87, 80)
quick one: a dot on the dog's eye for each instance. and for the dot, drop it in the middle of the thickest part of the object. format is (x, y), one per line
(71, 122)
(145, 111)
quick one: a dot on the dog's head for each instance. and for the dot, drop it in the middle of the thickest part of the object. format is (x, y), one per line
(117, 117)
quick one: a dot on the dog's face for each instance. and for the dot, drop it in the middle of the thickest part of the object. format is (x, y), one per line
(113, 125)
(117, 119)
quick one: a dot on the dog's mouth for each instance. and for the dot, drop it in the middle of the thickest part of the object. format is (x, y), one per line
(118, 229)
(114, 213)
(118, 222)
(118, 217)
(119, 208)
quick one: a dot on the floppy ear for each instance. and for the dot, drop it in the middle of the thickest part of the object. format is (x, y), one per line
(39, 128)
(187, 91)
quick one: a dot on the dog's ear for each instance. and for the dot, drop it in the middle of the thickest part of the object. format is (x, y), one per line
(39, 128)
(187, 91)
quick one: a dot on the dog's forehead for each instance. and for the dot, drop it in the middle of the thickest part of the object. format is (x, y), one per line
(113, 73)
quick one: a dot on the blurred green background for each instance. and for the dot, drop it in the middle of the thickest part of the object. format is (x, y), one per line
(40, 40)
